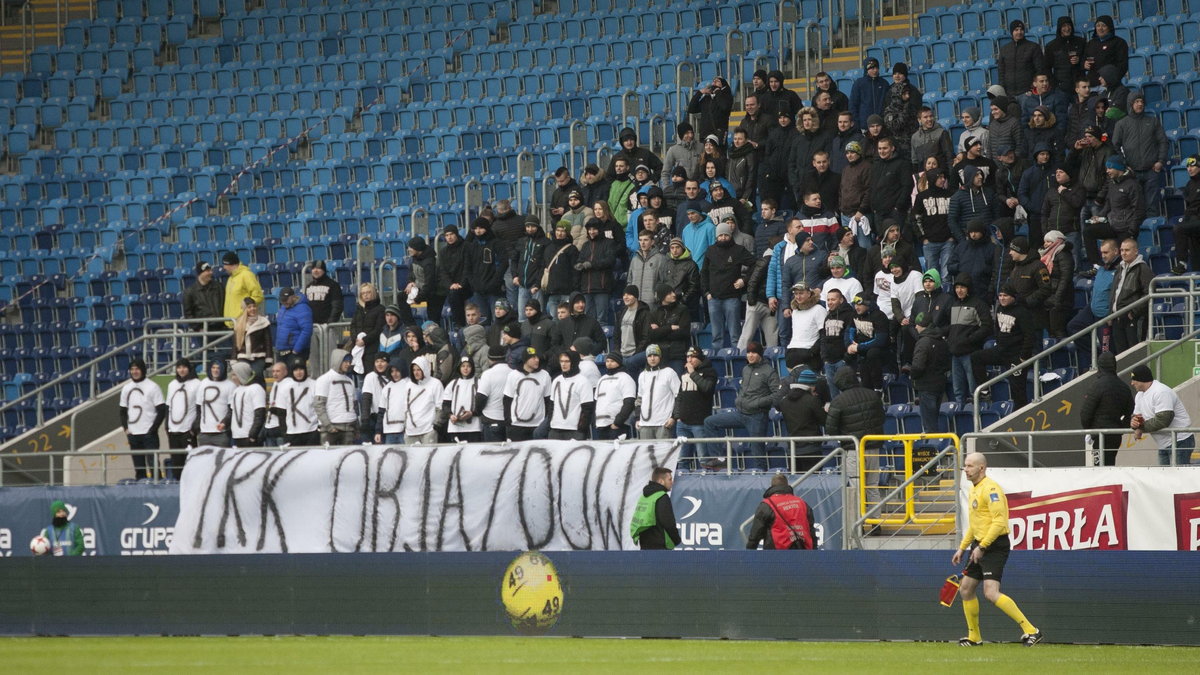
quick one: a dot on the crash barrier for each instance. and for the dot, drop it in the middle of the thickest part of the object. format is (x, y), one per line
(1082, 596)
(926, 468)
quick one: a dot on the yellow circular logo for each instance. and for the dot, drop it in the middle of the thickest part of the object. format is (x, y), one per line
(532, 593)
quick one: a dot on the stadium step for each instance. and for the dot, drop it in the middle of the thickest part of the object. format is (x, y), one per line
(842, 58)
(46, 21)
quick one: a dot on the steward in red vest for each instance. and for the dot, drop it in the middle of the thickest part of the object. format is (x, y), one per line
(782, 520)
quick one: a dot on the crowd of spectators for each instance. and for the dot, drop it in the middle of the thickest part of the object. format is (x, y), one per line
(852, 235)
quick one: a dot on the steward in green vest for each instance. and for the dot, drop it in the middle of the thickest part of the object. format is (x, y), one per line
(65, 537)
(653, 525)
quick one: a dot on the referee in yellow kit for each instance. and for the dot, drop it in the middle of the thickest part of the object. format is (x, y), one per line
(987, 543)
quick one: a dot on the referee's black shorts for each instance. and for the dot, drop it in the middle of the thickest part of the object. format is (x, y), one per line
(991, 566)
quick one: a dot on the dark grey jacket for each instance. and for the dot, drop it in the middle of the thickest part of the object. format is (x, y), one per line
(759, 383)
(1141, 139)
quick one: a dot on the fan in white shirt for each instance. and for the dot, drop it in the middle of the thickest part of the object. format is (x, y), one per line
(142, 411)
(808, 317)
(213, 407)
(526, 397)
(616, 393)
(422, 400)
(849, 286)
(392, 408)
(371, 396)
(1157, 409)
(247, 407)
(182, 394)
(657, 388)
(489, 400)
(572, 401)
(458, 403)
(334, 400)
(272, 432)
(295, 406)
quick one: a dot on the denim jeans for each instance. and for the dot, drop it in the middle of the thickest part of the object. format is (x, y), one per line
(598, 306)
(511, 290)
(635, 363)
(552, 303)
(726, 320)
(523, 296)
(963, 377)
(937, 254)
(1183, 453)
(865, 240)
(830, 370)
(691, 453)
(393, 439)
(756, 425)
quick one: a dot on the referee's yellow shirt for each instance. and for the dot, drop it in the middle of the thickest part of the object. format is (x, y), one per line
(988, 510)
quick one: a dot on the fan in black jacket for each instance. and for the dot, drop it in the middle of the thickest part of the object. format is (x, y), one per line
(324, 295)
(857, 411)
(1107, 404)
(670, 326)
(1017, 334)
(891, 183)
(930, 366)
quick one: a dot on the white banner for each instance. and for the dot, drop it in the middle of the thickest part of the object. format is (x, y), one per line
(544, 495)
(1106, 508)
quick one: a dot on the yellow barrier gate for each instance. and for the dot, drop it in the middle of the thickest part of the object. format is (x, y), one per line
(872, 449)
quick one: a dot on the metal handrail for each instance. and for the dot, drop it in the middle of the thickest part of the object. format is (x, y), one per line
(472, 197)
(360, 245)
(822, 466)
(547, 192)
(377, 272)
(1192, 292)
(413, 221)
(577, 126)
(92, 365)
(874, 511)
(525, 172)
(1031, 435)
(691, 65)
(1063, 344)
(729, 44)
(658, 122)
(784, 16)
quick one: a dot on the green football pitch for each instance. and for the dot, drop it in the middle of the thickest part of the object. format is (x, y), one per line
(558, 655)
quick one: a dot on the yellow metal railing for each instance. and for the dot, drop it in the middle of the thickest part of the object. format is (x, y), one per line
(908, 515)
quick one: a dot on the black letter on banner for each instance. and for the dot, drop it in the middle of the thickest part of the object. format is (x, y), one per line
(562, 488)
(218, 463)
(672, 448)
(388, 493)
(426, 489)
(612, 528)
(230, 502)
(512, 454)
(534, 545)
(362, 510)
(453, 486)
(268, 498)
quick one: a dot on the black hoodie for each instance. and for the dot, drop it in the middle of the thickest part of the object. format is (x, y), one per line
(1112, 51)
(1058, 57)
(694, 401)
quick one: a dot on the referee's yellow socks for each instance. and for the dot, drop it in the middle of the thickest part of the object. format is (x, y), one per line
(971, 610)
(1010, 608)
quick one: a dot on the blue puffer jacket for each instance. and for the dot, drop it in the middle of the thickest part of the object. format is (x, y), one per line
(294, 327)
